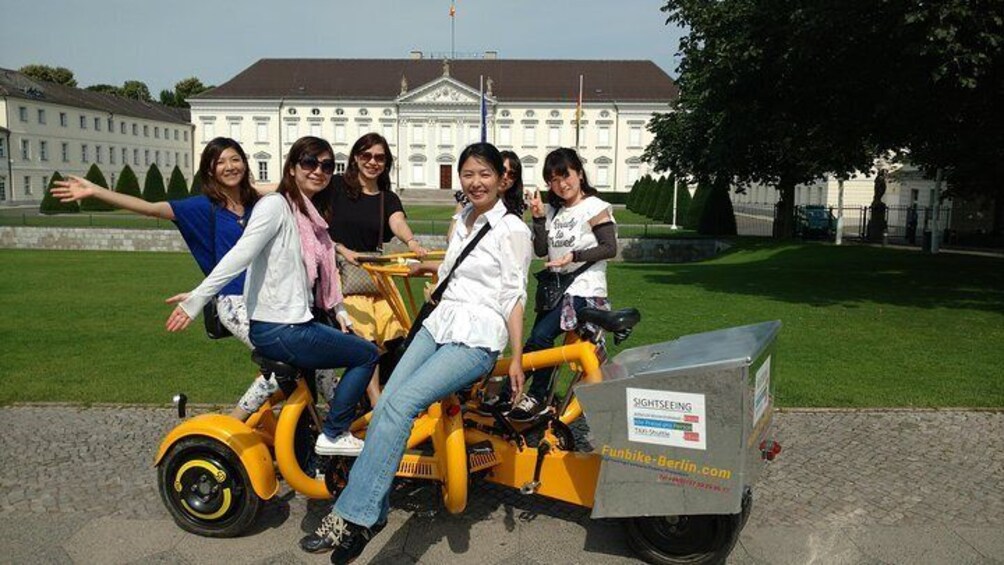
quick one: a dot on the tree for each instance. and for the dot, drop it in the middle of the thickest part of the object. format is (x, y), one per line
(782, 94)
(177, 188)
(105, 88)
(186, 88)
(153, 185)
(128, 183)
(168, 98)
(51, 205)
(136, 90)
(95, 175)
(58, 75)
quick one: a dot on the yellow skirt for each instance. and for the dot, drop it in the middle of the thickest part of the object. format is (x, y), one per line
(372, 319)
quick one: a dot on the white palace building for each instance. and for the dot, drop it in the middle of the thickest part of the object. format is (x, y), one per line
(47, 127)
(430, 109)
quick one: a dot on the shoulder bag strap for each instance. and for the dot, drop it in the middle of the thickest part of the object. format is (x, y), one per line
(438, 293)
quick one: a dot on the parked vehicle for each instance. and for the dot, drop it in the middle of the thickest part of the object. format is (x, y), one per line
(815, 222)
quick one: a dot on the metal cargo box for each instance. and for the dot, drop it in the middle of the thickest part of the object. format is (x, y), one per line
(679, 425)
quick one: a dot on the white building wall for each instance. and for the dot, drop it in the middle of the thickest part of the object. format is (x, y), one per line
(89, 137)
(428, 133)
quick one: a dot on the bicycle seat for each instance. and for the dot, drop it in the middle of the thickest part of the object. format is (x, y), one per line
(614, 321)
(270, 367)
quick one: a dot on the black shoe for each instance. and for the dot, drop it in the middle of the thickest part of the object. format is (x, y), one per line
(527, 409)
(345, 538)
(484, 410)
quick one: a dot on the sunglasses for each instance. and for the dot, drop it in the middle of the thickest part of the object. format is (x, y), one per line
(379, 158)
(310, 163)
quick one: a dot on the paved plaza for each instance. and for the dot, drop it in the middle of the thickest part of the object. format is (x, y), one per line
(77, 486)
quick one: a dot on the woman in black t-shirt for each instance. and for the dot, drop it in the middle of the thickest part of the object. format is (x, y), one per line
(352, 206)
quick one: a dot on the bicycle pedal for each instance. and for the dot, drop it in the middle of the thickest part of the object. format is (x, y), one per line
(529, 488)
(481, 456)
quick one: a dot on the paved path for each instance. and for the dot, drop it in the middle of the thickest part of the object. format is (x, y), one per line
(76, 485)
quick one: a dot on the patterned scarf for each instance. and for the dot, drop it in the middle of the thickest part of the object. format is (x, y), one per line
(318, 255)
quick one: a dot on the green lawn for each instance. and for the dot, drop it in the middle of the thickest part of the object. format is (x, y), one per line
(424, 219)
(863, 326)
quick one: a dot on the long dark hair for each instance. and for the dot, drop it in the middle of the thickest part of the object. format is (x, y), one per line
(489, 155)
(558, 163)
(351, 176)
(513, 196)
(305, 146)
(207, 168)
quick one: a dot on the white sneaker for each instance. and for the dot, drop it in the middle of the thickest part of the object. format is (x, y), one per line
(346, 445)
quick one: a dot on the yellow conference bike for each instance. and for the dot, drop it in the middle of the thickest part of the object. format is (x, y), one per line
(678, 433)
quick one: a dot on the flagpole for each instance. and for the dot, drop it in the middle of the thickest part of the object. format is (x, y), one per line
(453, 31)
(578, 114)
(484, 125)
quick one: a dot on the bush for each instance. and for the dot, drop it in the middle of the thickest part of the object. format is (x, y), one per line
(651, 197)
(633, 195)
(664, 200)
(718, 218)
(693, 217)
(51, 205)
(196, 186)
(95, 175)
(614, 197)
(153, 185)
(128, 183)
(177, 188)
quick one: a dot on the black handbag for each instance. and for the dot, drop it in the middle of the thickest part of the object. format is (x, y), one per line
(214, 327)
(551, 287)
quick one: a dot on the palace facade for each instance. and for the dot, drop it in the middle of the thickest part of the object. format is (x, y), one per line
(430, 109)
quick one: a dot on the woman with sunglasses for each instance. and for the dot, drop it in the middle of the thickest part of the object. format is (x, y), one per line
(210, 224)
(362, 214)
(289, 258)
(481, 309)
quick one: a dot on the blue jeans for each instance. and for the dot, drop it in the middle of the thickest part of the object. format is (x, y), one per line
(427, 372)
(546, 328)
(313, 345)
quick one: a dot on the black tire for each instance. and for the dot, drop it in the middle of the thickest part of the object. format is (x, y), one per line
(206, 489)
(704, 539)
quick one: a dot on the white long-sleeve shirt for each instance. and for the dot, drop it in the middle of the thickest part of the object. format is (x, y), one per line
(489, 283)
(276, 288)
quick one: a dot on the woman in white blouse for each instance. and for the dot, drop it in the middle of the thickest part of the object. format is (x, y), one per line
(480, 310)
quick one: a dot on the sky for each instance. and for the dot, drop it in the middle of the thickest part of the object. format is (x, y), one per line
(162, 42)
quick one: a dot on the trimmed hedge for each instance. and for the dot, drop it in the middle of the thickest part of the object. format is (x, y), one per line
(664, 200)
(196, 185)
(614, 197)
(51, 205)
(693, 217)
(651, 198)
(95, 175)
(128, 183)
(718, 217)
(682, 204)
(153, 185)
(177, 188)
